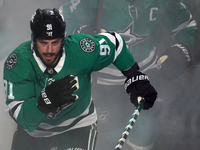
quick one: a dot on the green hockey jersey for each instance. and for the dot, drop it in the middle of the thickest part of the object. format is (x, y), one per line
(84, 12)
(25, 76)
(149, 27)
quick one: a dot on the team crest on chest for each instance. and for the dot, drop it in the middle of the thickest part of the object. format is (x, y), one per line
(87, 45)
(11, 62)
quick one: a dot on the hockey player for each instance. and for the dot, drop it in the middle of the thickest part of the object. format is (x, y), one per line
(143, 24)
(160, 35)
(48, 85)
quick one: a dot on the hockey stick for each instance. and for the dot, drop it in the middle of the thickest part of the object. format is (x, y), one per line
(99, 16)
(130, 124)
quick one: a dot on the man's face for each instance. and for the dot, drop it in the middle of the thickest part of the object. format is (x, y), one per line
(49, 50)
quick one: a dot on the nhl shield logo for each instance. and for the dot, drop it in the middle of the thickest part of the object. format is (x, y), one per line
(87, 45)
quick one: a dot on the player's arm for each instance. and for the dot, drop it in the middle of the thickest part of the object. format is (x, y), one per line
(20, 91)
(137, 84)
(178, 55)
(181, 23)
(28, 104)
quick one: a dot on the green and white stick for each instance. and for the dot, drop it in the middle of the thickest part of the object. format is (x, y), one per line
(130, 124)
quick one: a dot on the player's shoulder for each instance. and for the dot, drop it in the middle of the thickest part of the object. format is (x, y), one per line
(19, 56)
(80, 39)
(78, 36)
(81, 43)
(23, 49)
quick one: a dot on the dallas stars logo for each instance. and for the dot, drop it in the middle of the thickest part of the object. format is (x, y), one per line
(11, 62)
(87, 45)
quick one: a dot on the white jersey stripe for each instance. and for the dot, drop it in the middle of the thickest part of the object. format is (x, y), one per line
(113, 40)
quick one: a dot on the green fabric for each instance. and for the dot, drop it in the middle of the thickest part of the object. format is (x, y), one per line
(149, 23)
(28, 79)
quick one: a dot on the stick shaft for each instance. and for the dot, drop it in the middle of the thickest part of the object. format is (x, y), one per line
(99, 15)
(129, 126)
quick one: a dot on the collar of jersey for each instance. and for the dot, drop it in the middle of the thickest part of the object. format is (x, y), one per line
(42, 66)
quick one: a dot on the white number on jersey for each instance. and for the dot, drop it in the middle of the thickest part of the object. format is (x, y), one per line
(8, 87)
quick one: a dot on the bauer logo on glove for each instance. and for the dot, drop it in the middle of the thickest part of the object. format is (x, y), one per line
(44, 96)
(58, 95)
(137, 85)
(134, 79)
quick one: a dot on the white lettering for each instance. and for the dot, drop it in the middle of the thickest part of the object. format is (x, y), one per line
(50, 33)
(151, 18)
(134, 79)
(47, 101)
(49, 26)
(8, 87)
(45, 98)
(104, 50)
(74, 4)
(185, 51)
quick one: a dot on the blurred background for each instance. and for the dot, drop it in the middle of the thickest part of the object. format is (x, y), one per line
(172, 124)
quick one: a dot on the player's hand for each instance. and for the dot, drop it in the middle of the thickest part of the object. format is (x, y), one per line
(139, 86)
(58, 95)
(174, 62)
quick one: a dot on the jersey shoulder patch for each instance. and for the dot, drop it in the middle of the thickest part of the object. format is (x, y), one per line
(87, 45)
(11, 61)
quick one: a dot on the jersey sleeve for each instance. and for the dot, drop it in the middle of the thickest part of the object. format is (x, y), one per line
(20, 90)
(181, 23)
(112, 49)
(77, 13)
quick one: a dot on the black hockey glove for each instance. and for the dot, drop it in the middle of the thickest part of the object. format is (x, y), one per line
(138, 85)
(58, 95)
(174, 62)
